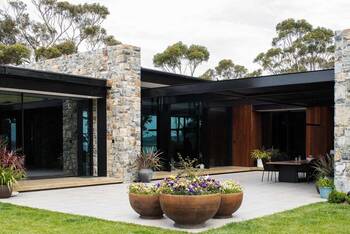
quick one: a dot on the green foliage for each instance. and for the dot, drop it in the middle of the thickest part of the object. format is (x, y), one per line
(110, 41)
(55, 51)
(179, 57)
(337, 197)
(297, 47)
(187, 167)
(261, 154)
(14, 54)
(8, 176)
(325, 183)
(226, 69)
(145, 189)
(56, 24)
(230, 186)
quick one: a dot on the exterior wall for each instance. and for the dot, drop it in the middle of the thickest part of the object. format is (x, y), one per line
(342, 111)
(70, 137)
(120, 65)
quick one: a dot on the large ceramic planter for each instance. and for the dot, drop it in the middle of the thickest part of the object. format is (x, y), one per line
(5, 191)
(230, 203)
(259, 163)
(189, 210)
(325, 191)
(145, 175)
(147, 206)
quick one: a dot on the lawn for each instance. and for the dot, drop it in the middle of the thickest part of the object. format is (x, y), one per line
(316, 218)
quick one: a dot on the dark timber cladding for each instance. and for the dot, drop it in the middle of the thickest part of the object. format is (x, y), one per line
(298, 89)
(28, 79)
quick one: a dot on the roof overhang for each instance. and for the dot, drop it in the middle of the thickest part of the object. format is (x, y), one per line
(294, 89)
(50, 83)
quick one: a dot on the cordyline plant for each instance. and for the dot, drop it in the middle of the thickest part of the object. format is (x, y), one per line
(149, 159)
(324, 166)
(10, 161)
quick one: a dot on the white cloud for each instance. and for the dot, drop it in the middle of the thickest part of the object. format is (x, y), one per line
(236, 29)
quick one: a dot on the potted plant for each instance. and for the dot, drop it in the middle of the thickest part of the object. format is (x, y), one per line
(260, 155)
(326, 187)
(146, 162)
(231, 199)
(189, 201)
(11, 169)
(324, 167)
(144, 199)
(8, 178)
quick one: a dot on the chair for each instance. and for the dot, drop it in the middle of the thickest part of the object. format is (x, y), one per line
(270, 169)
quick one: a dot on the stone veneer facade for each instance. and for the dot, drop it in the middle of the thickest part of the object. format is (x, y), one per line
(342, 111)
(120, 66)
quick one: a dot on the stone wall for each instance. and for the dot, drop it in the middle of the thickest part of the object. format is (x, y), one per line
(342, 111)
(120, 65)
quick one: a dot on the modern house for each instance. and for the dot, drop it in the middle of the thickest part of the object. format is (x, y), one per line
(89, 114)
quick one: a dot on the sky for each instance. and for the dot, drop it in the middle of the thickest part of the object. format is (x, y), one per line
(230, 29)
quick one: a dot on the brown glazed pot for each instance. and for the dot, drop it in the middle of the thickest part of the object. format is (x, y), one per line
(147, 206)
(230, 203)
(187, 210)
(5, 191)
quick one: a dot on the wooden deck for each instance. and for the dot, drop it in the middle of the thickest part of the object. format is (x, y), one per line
(64, 182)
(72, 182)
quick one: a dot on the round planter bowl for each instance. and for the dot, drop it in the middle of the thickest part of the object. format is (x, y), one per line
(230, 203)
(145, 175)
(5, 191)
(189, 211)
(147, 206)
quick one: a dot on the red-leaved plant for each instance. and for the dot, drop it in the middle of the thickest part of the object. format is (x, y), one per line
(11, 159)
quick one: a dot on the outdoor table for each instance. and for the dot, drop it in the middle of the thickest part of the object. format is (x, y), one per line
(288, 170)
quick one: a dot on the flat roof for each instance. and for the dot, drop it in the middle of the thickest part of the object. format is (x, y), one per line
(298, 89)
(167, 78)
(37, 81)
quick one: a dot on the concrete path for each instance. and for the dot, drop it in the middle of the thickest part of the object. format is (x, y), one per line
(111, 202)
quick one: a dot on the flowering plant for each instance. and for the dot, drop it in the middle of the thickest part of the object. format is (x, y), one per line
(199, 185)
(145, 189)
(230, 186)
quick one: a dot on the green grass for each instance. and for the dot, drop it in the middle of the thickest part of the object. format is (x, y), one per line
(316, 218)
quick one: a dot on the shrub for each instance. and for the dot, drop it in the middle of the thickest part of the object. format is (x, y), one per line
(325, 182)
(261, 154)
(337, 197)
(145, 189)
(11, 160)
(8, 176)
(230, 186)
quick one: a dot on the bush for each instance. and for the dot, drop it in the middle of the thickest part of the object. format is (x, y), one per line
(145, 189)
(230, 186)
(337, 197)
(325, 183)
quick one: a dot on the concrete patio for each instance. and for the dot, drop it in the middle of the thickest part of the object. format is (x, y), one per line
(110, 202)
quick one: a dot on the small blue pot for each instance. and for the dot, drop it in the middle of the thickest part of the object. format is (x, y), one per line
(325, 191)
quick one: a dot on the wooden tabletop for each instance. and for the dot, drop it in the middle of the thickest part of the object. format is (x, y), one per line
(290, 162)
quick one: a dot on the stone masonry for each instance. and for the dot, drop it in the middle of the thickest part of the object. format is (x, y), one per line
(120, 66)
(342, 111)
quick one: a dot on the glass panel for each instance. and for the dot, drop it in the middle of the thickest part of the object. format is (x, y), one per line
(149, 131)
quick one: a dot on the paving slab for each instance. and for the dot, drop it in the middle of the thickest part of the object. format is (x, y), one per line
(111, 202)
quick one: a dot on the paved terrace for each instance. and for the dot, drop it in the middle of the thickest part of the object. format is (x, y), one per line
(111, 201)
